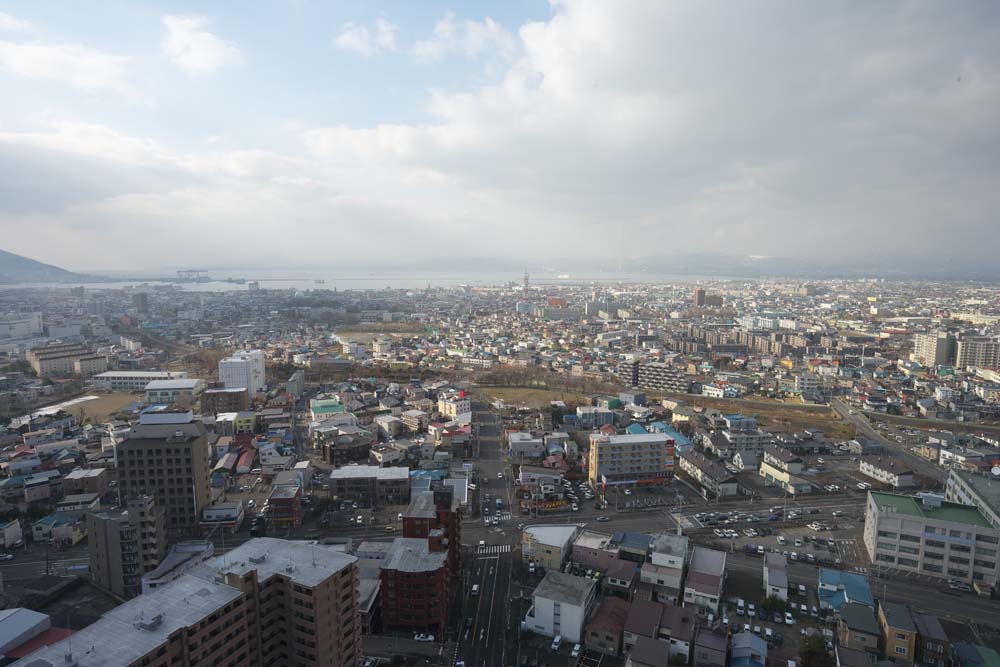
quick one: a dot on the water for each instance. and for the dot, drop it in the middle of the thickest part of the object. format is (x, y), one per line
(378, 281)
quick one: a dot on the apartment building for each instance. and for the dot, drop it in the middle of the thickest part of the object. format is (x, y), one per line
(548, 546)
(663, 574)
(559, 606)
(266, 602)
(887, 471)
(371, 486)
(123, 545)
(133, 381)
(979, 491)
(244, 370)
(928, 535)
(216, 398)
(936, 348)
(167, 456)
(782, 468)
(977, 351)
(57, 358)
(630, 460)
(713, 477)
(660, 377)
(453, 406)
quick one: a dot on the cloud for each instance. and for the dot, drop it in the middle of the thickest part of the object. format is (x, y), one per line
(470, 38)
(195, 50)
(10, 23)
(605, 130)
(75, 64)
(358, 38)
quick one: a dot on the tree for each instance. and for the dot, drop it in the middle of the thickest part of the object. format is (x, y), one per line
(814, 653)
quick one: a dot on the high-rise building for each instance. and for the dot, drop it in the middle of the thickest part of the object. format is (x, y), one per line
(977, 351)
(244, 369)
(140, 301)
(421, 568)
(266, 602)
(933, 349)
(699, 297)
(167, 456)
(125, 544)
(216, 398)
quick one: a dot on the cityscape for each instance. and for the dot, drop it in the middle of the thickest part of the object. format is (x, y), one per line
(540, 333)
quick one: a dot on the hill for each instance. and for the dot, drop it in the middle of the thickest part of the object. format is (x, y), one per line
(18, 269)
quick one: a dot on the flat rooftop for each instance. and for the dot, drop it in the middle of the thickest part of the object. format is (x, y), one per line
(117, 638)
(910, 506)
(565, 588)
(984, 487)
(356, 472)
(304, 564)
(412, 554)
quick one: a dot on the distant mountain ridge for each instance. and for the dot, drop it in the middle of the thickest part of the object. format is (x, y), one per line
(17, 269)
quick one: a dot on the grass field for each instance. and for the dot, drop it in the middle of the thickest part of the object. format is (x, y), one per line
(104, 407)
(794, 415)
(532, 398)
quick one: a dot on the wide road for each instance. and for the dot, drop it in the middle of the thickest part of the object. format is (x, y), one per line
(860, 421)
(31, 561)
(488, 630)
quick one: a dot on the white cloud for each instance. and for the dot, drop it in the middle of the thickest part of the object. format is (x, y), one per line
(195, 50)
(472, 38)
(79, 66)
(361, 40)
(10, 23)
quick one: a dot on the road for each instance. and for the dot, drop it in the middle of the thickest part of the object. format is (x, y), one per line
(919, 465)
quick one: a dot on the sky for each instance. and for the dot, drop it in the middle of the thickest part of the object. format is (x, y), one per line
(141, 135)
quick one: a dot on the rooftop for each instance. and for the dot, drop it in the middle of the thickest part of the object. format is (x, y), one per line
(555, 535)
(897, 616)
(167, 385)
(119, 639)
(709, 561)
(354, 472)
(305, 564)
(859, 617)
(565, 588)
(412, 554)
(986, 488)
(910, 506)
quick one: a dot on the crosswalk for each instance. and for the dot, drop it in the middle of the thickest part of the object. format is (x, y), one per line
(503, 516)
(493, 549)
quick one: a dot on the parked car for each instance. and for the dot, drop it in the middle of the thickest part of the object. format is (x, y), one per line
(575, 653)
(556, 643)
(423, 638)
(788, 618)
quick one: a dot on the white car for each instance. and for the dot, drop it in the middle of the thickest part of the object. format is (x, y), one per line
(788, 618)
(6, 556)
(499, 475)
(482, 543)
(575, 507)
(575, 653)
(628, 492)
(423, 638)
(718, 533)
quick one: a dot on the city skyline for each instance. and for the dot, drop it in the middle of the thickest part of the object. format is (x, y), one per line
(176, 136)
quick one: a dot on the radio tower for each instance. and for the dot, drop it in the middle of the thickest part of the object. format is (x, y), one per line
(526, 280)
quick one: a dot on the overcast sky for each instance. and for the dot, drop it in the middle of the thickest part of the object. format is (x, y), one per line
(145, 134)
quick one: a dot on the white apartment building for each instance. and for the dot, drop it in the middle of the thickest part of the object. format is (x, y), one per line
(245, 369)
(887, 472)
(930, 536)
(560, 605)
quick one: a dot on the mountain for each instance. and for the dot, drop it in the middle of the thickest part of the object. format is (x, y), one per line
(18, 269)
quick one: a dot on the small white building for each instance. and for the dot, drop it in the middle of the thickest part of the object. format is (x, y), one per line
(775, 575)
(560, 605)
